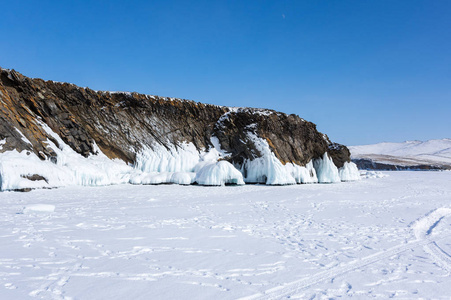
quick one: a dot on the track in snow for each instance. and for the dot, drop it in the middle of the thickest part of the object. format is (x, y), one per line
(422, 229)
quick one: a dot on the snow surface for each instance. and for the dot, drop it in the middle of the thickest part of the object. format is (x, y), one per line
(406, 153)
(371, 174)
(39, 208)
(373, 238)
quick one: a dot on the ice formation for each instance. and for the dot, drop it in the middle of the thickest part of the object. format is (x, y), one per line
(349, 172)
(326, 171)
(219, 173)
(161, 159)
(269, 170)
(305, 174)
(372, 174)
(181, 164)
(23, 170)
(184, 178)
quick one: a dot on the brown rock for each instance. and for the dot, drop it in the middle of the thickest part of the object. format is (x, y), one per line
(121, 124)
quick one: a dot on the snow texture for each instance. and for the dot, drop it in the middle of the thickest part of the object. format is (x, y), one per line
(49, 208)
(376, 238)
(372, 174)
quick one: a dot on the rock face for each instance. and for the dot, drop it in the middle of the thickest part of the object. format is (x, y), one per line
(368, 164)
(123, 125)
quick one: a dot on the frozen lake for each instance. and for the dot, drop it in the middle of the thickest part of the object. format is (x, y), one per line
(378, 238)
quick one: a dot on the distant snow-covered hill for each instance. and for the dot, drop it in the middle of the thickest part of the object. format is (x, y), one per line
(431, 154)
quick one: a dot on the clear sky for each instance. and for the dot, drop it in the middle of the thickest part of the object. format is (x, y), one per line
(363, 71)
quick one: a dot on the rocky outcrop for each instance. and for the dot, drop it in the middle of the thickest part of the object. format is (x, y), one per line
(122, 125)
(368, 164)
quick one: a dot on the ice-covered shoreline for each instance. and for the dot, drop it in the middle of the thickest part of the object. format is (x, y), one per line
(159, 165)
(58, 134)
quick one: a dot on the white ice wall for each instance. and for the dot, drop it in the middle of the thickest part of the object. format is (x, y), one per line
(349, 172)
(183, 164)
(326, 170)
(174, 159)
(269, 169)
(219, 173)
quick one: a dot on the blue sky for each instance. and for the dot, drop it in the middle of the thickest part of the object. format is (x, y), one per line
(363, 71)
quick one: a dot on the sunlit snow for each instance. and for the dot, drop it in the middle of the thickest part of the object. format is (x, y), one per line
(373, 238)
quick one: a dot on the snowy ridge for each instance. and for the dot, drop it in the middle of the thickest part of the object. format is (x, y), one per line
(407, 153)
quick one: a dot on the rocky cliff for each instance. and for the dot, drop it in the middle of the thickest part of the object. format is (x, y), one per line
(151, 134)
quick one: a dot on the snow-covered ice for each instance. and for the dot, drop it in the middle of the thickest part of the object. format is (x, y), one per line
(39, 208)
(373, 238)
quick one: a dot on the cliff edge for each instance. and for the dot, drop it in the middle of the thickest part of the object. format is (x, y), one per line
(55, 134)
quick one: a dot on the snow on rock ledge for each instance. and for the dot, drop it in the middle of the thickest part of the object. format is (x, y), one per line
(25, 171)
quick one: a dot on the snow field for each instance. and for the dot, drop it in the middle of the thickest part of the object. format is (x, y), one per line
(39, 208)
(374, 238)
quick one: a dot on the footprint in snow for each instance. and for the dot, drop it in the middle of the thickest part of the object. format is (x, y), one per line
(10, 286)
